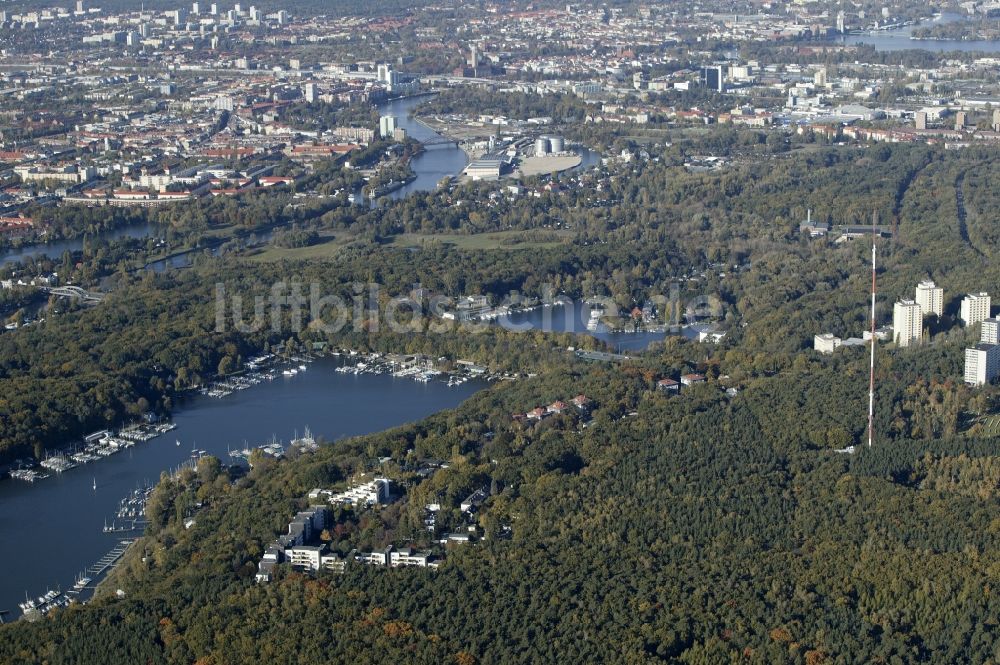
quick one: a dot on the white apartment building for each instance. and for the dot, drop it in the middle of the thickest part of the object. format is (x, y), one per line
(332, 563)
(355, 133)
(982, 364)
(409, 557)
(370, 493)
(397, 558)
(387, 126)
(375, 558)
(67, 173)
(990, 333)
(305, 557)
(930, 297)
(826, 343)
(907, 323)
(975, 308)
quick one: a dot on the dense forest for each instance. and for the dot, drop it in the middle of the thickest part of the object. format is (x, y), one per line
(717, 525)
(702, 529)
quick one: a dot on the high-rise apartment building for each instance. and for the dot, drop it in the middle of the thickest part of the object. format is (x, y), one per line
(975, 308)
(907, 323)
(982, 364)
(930, 297)
(387, 126)
(990, 334)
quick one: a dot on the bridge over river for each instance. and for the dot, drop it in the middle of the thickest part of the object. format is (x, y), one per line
(73, 292)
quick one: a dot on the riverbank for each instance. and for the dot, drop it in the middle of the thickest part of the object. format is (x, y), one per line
(913, 36)
(332, 404)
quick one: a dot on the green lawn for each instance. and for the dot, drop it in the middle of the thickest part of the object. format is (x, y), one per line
(482, 241)
(328, 247)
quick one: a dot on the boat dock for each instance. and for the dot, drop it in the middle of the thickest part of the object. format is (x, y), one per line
(94, 447)
(108, 561)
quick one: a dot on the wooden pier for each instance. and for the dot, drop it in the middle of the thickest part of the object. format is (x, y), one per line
(109, 560)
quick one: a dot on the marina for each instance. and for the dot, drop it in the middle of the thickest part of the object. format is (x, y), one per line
(105, 443)
(276, 449)
(131, 513)
(94, 447)
(106, 562)
(79, 504)
(44, 604)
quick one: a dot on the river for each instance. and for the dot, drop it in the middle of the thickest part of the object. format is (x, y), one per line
(55, 249)
(53, 529)
(431, 166)
(573, 318)
(899, 39)
(436, 161)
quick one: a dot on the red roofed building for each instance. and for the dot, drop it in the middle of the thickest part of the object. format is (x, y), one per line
(16, 226)
(12, 155)
(691, 379)
(668, 385)
(175, 196)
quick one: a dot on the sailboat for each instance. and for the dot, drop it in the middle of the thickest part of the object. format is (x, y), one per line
(178, 442)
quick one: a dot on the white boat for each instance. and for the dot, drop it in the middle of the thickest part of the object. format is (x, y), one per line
(302, 368)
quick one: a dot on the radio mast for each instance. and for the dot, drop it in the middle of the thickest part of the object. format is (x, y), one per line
(871, 367)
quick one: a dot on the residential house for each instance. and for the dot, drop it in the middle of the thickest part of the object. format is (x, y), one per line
(668, 385)
(691, 379)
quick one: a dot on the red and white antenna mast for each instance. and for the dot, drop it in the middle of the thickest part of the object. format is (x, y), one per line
(871, 368)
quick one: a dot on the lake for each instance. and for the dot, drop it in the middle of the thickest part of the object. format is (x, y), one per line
(55, 249)
(898, 39)
(573, 318)
(53, 528)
